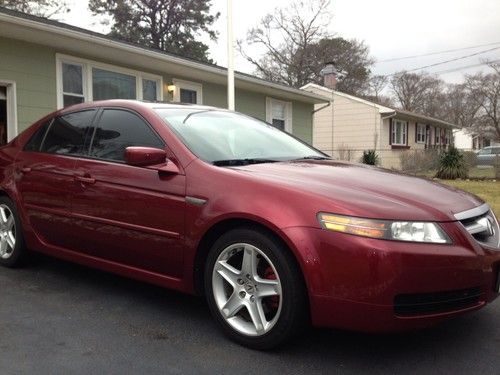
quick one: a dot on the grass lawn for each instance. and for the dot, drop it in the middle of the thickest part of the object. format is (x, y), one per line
(488, 190)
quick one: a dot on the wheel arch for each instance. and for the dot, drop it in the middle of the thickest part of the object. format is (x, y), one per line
(223, 226)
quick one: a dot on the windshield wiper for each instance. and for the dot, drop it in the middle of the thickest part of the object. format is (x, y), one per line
(236, 162)
(313, 157)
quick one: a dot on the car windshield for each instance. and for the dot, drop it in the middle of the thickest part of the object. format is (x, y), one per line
(228, 138)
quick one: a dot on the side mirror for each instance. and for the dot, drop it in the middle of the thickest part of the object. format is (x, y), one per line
(145, 156)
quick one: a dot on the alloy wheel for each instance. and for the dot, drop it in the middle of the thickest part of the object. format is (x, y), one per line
(7, 232)
(247, 289)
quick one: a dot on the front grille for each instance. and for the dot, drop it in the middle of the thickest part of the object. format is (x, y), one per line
(481, 224)
(434, 303)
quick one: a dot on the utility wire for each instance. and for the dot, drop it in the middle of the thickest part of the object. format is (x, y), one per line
(436, 53)
(465, 67)
(444, 62)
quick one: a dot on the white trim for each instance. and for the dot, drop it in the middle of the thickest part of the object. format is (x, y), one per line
(12, 128)
(87, 66)
(288, 115)
(187, 85)
(404, 133)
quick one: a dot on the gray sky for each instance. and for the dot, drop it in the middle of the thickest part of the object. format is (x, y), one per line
(391, 28)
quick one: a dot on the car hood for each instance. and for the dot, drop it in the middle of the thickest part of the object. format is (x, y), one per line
(360, 190)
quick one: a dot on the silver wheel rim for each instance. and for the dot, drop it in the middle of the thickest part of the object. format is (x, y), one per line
(247, 289)
(7, 232)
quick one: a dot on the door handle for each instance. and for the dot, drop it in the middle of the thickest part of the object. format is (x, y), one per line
(85, 180)
(25, 170)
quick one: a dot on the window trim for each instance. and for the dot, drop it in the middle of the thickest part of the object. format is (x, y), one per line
(187, 85)
(420, 136)
(394, 124)
(288, 114)
(88, 65)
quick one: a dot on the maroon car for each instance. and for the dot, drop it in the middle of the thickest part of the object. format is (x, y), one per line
(272, 232)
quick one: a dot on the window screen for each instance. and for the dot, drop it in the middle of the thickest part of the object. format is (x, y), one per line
(118, 130)
(68, 133)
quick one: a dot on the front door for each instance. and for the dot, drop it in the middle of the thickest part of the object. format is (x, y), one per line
(127, 214)
(3, 115)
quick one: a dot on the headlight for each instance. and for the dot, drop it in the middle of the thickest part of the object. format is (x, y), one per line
(409, 231)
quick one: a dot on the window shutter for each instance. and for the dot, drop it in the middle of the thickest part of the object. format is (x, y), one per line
(390, 131)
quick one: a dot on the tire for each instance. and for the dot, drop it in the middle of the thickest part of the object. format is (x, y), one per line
(13, 252)
(254, 289)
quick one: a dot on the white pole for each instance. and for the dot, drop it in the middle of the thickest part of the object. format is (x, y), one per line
(230, 57)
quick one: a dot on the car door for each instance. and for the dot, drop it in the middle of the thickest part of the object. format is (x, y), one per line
(128, 214)
(46, 179)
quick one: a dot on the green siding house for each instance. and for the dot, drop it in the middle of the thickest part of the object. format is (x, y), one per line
(46, 65)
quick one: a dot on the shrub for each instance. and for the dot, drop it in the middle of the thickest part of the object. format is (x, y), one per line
(415, 161)
(370, 157)
(344, 152)
(452, 165)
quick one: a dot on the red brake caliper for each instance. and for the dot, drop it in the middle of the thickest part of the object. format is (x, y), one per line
(274, 301)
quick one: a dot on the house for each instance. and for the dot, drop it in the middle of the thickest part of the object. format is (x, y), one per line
(466, 140)
(46, 65)
(348, 125)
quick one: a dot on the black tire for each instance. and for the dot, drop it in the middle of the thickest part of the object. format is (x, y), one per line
(19, 253)
(293, 312)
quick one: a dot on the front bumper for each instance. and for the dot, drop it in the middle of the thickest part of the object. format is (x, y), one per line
(358, 283)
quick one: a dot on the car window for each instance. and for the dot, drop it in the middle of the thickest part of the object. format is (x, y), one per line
(68, 133)
(496, 150)
(485, 151)
(119, 129)
(36, 139)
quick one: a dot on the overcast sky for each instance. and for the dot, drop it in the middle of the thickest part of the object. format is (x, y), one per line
(391, 28)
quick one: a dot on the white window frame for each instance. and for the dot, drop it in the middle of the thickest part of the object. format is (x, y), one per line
(11, 93)
(404, 133)
(187, 85)
(421, 133)
(288, 112)
(88, 65)
(447, 137)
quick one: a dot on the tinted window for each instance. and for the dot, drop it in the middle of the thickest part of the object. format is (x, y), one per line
(118, 130)
(68, 133)
(36, 139)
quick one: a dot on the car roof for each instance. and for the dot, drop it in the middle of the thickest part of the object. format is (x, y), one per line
(135, 104)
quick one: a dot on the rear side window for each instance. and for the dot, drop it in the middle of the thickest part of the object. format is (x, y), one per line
(36, 139)
(119, 129)
(68, 133)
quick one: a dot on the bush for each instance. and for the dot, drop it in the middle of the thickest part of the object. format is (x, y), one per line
(419, 160)
(370, 157)
(452, 165)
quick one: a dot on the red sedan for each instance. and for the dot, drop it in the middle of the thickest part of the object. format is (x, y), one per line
(272, 232)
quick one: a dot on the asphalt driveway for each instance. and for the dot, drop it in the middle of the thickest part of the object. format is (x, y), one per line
(60, 318)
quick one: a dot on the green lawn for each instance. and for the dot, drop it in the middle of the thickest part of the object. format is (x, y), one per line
(488, 190)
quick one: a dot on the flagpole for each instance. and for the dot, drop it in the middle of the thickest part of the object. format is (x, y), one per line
(230, 57)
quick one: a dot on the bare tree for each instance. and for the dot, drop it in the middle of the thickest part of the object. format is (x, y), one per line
(460, 107)
(377, 84)
(297, 43)
(419, 92)
(41, 8)
(484, 89)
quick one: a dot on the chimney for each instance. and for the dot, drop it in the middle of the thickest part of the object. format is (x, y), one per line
(329, 73)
